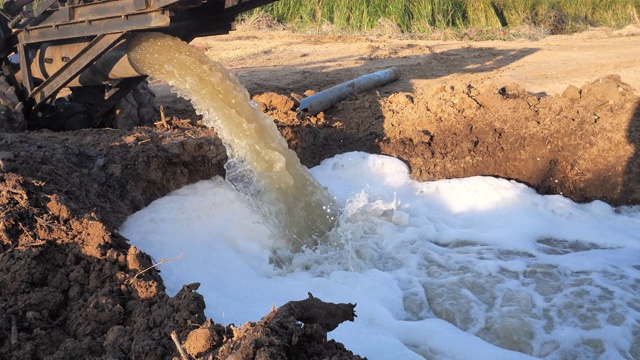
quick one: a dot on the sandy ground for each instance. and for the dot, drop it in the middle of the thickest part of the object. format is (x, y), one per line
(288, 61)
(559, 114)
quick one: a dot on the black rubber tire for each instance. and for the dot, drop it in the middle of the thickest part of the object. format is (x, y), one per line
(138, 108)
(11, 116)
(148, 109)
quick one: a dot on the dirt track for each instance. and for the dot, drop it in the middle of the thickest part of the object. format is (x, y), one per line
(545, 112)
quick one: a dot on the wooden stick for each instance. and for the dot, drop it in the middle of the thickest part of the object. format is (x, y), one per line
(163, 119)
(163, 261)
(183, 354)
(14, 330)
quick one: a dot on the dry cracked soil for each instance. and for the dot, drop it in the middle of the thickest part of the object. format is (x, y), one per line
(560, 114)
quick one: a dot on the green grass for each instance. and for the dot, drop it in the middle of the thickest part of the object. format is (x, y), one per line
(425, 16)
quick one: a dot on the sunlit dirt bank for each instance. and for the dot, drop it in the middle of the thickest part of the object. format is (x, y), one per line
(560, 114)
(581, 144)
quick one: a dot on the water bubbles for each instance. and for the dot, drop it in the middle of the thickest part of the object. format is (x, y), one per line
(525, 297)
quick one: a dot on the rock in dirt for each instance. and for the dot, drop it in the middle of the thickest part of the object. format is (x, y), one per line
(272, 101)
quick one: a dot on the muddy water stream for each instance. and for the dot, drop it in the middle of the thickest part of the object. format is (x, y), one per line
(260, 164)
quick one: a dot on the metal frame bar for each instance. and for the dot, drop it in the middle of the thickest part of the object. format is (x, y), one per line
(27, 79)
(70, 30)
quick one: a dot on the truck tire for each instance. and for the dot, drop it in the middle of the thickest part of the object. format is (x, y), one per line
(148, 109)
(138, 108)
(11, 115)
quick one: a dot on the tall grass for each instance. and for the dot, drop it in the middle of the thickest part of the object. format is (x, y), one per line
(553, 16)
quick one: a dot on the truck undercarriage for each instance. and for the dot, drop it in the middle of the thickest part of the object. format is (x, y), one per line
(81, 46)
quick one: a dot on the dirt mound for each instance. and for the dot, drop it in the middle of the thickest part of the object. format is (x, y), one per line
(581, 144)
(70, 286)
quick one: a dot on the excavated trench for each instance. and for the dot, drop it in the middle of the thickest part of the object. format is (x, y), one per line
(72, 287)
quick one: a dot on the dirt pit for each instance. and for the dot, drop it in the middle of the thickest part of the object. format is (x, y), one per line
(560, 114)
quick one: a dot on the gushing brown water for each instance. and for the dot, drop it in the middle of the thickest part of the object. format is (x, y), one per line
(260, 163)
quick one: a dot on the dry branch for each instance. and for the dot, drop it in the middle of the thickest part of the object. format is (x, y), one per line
(14, 330)
(163, 261)
(176, 341)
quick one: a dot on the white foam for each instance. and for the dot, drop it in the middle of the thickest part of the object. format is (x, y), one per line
(454, 269)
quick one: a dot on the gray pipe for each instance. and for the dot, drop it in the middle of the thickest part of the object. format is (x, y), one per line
(327, 98)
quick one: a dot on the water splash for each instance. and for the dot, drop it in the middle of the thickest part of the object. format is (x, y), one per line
(260, 163)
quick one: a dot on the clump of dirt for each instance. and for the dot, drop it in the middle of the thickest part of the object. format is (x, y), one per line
(280, 335)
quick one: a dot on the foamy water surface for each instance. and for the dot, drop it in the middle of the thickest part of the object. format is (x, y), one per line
(475, 268)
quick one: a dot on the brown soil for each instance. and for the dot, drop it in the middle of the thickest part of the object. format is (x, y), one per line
(560, 114)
